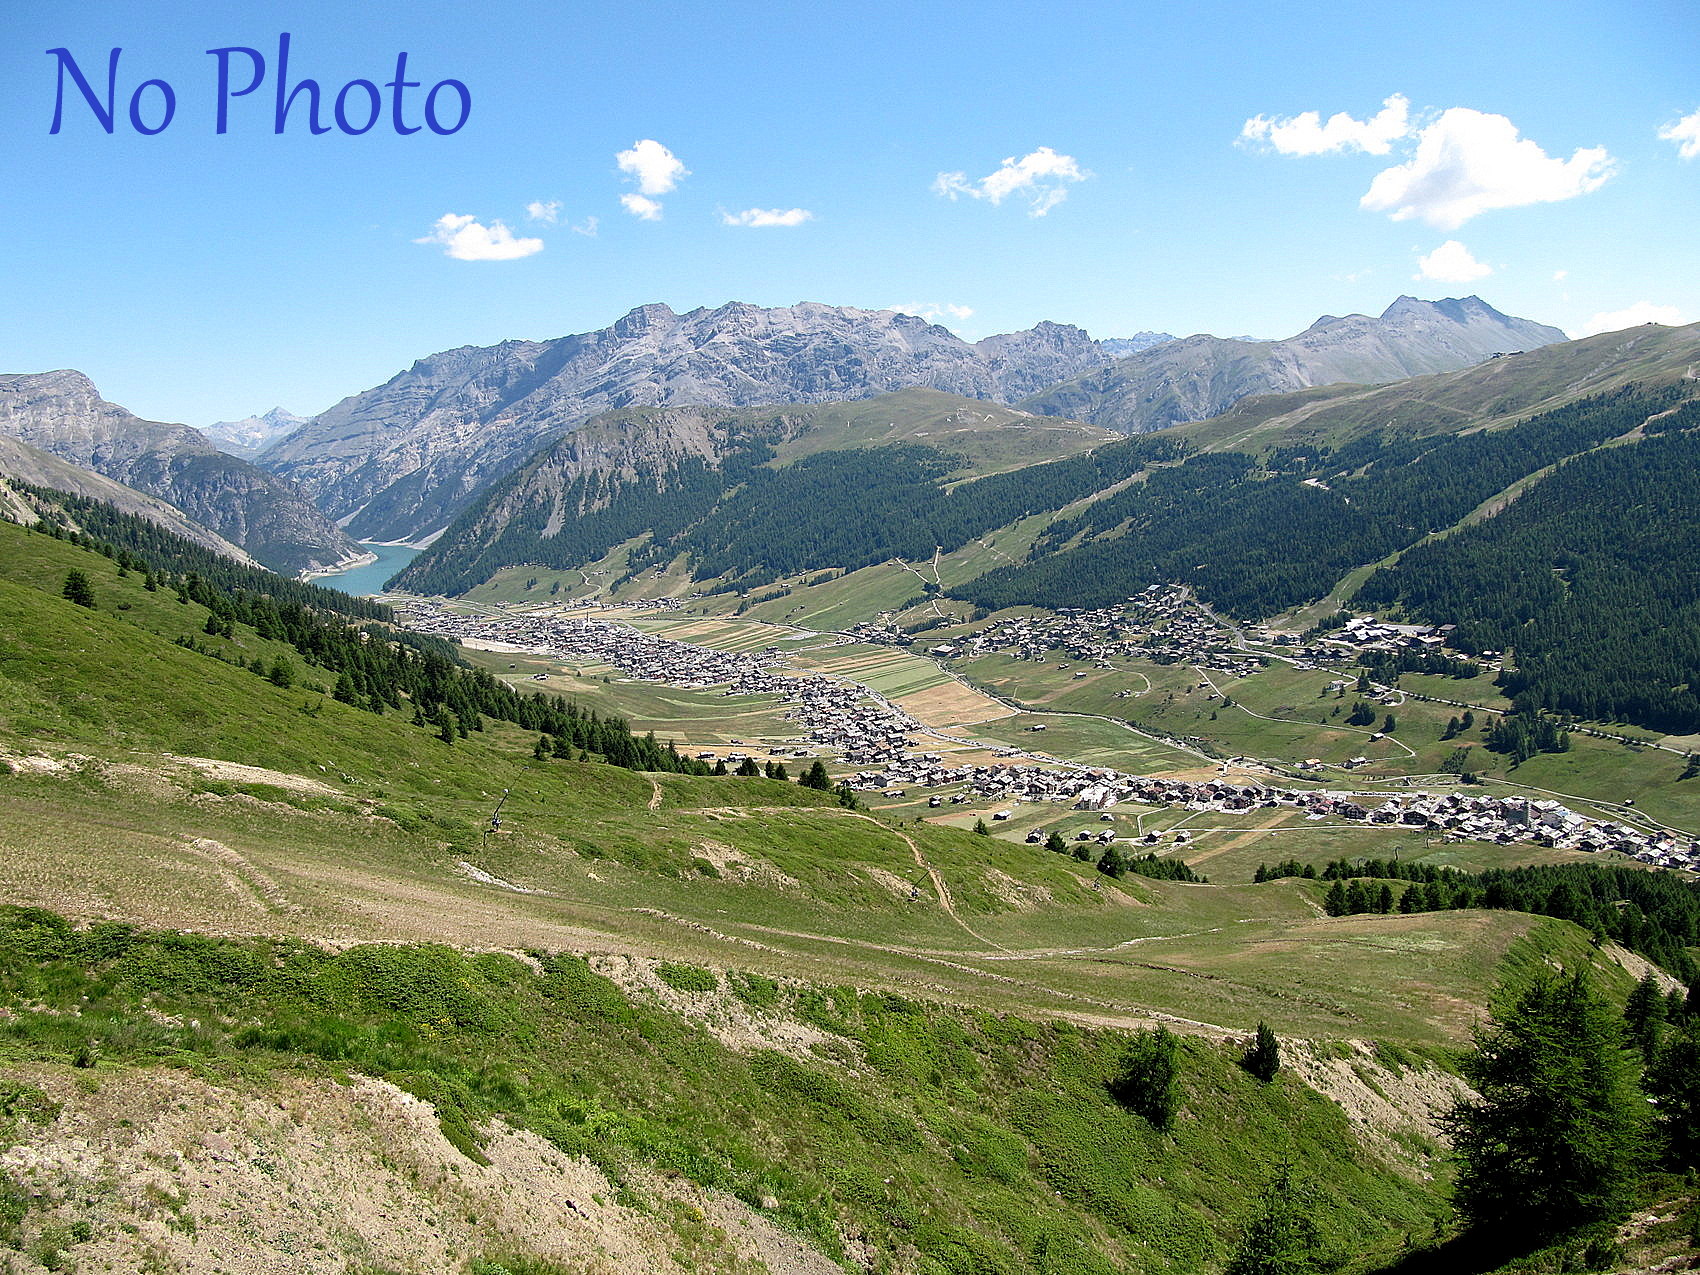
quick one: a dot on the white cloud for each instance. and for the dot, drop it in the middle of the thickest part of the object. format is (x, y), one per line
(1633, 316)
(935, 312)
(767, 217)
(1559, 276)
(1468, 162)
(546, 211)
(587, 228)
(1451, 263)
(1306, 134)
(656, 168)
(1041, 178)
(464, 238)
(1685, 132)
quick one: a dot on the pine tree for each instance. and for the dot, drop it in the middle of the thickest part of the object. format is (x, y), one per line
(980, 828)
(1334, 902)
(1148, 1081)
(281, 673)
(1113, 863)
(77, 588)
(747, 769)
(346, 692)
(1644, 1016)
(1262, 1057)
(1283, 1239)
(1674, 1082)
(1056, 844)
(816, 777)
(1558, 1132)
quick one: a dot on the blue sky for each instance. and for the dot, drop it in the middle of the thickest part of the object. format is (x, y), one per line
(853, 154)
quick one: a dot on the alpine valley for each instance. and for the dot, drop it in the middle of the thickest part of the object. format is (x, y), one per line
(832, 796)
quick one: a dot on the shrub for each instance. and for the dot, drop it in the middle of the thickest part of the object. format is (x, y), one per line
(687, 978)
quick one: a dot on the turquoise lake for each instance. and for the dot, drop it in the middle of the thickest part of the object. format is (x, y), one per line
(364, 581)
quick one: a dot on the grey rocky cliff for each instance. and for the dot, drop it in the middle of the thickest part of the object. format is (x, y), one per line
(401, 460)
(62, 413)
(1201, 376)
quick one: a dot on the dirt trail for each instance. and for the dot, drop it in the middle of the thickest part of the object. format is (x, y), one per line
(654, 794)
(242, 877)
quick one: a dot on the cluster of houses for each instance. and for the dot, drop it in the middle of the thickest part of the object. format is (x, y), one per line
(1164, 623)
(862, 725)
(1460, 816)
(1366, 633)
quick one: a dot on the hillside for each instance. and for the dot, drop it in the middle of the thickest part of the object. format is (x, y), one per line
(30, 465)
(709, 992)
(62, 413)
(1202, 376)
(661, 471)
(404, 458)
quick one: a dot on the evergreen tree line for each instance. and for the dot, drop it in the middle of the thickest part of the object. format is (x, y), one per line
(139, 545)
(1253, 542)
(1590, 582)
(1656, 914)
(845, 508)
(1522, 735)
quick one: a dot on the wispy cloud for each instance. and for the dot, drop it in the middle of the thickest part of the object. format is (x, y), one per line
(1633, 316)
(548, 212)
(1307, 134)
(767, 217)
(463, 237)
(1041, 177)
(587, 228)
(656, 170)
(1468, 162)
(1685, 132)
(1452, 262)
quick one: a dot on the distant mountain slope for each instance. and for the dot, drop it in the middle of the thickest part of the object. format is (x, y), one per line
(31, 465)
(1592, 575)
(251, 435)
(661, 470)
(401, 460)
(1201, 376)
(1120, 347)
(62, 413)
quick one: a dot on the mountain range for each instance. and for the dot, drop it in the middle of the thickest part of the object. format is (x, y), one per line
(398, 462)
(401, 461)
(1201, 376)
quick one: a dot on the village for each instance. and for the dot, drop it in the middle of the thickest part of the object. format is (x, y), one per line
(1453, 816)
(866, 730)
(1164, 623)
(861, 725)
